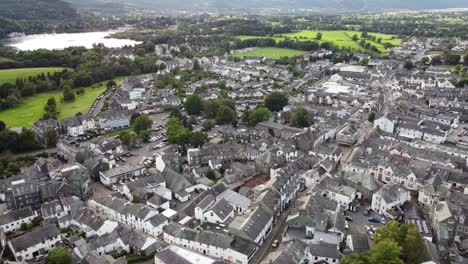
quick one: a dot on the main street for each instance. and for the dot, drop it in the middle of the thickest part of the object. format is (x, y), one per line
(275, 233)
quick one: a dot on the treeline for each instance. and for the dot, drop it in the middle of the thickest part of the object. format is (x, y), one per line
(255, 28)
(291, 44)
(18, 141)
(89, 67)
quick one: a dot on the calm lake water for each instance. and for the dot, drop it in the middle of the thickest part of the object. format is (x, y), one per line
(65, 40)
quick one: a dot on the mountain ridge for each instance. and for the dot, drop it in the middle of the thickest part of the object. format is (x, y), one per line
(283, 4)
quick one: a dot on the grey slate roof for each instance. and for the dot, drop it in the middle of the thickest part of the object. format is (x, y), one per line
(324, 250)
(34, 237)
(16, 215)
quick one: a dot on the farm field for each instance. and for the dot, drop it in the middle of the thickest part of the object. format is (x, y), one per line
(339, 38)
(10, 75)
(271, 53)
(31, 109)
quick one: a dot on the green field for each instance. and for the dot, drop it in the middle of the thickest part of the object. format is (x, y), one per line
(270, 53)
(31, 109)
(341, 39)
(10, 75)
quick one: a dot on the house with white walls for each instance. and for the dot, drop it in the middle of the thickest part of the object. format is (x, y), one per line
(35, 243)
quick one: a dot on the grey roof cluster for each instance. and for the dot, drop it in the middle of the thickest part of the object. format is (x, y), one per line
(213, 239)
(124, 207)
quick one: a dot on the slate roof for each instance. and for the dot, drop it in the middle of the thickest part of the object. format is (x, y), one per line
(75, 121)
(251, 225)
(34, 237)
(16, 215)
(124, 207)
(235, 198)
(360, 243)
(324, 250)
(390, 192)
(213, 239)
(222, 208)
(294, 254)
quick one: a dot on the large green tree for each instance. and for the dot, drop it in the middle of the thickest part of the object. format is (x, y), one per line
(386, 251)
(59, 255)
(225, 115)
(256, 116)
(128, 138)
(198, 138)
(275, 101)
(176, 133)
(194, 104)
(300, 117)
(355, 258)
(142, 123)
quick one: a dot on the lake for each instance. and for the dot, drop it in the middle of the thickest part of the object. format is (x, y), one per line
(65, 40)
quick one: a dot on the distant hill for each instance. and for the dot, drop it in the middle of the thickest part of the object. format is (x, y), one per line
(44, 10)
(253, 4)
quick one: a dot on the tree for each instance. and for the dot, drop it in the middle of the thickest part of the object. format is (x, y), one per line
(275, 101)
(210, 174)
(300, 117)
(142, 123)
(225, 115)
(176, 133)
(51, 105)
(198, 138)
(207, 125)
(68, 94)
(425, 60)
(258, 115)
(135, 199)
(51, 137)
(391, 231)
(407, 237)
(355, 258)
(128, 138)
(111, 84)
(386, 251)
(355, 37)
(144, 135)
(59, 255)
(194, 104)
(414, 248)
(175, 112)
(196, 65)
(319, 36)
(371, 117)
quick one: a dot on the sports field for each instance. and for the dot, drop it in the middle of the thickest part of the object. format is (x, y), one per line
(270, 53)
(10, 75)
(31, 109)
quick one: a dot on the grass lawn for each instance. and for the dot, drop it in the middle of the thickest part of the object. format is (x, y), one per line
(271, 53)
(337, 37)
(10, 75)
(31, 109)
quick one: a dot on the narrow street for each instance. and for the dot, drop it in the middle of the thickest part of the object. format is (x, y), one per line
(276, 233)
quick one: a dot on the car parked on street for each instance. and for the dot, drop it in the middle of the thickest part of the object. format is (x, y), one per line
(373, 220)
